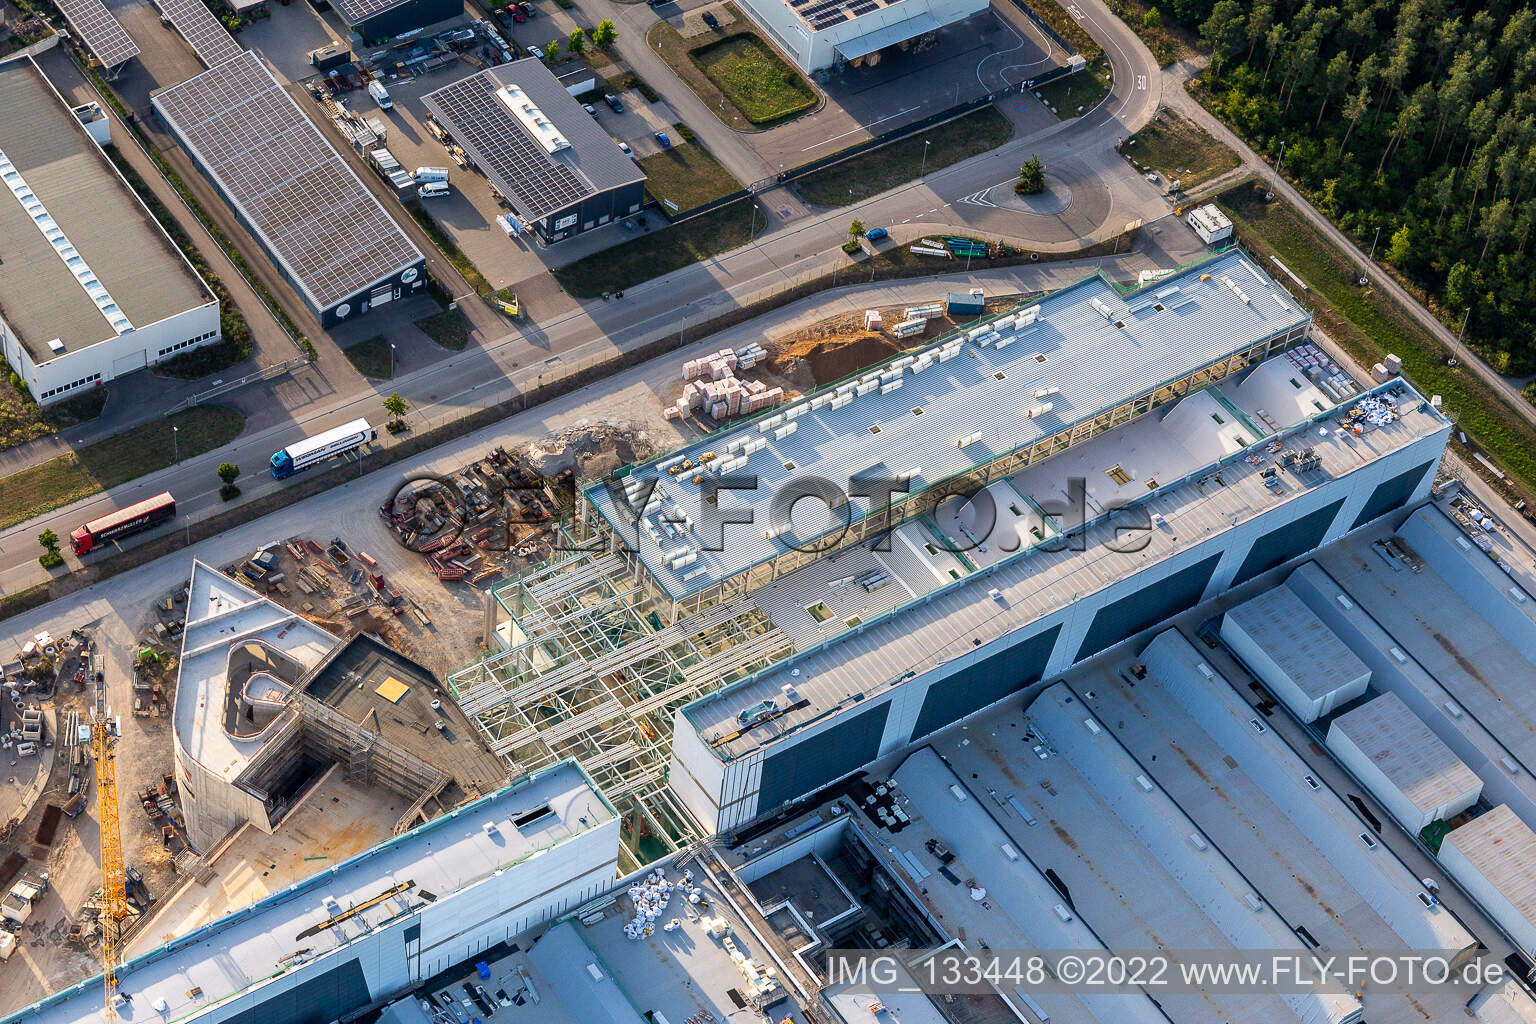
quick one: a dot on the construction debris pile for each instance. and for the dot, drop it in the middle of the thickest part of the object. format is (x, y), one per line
(651, 896)
(713, 388)
(468, 523)
(318, 569)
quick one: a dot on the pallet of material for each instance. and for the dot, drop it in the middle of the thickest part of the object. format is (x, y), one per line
(296, 550)
(368, 560)
(484, 574)
(325, 563)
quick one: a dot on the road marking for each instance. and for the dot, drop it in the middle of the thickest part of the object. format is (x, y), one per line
(980, 198)
(853, 131)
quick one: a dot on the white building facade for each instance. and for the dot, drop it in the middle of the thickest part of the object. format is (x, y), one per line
(858, 35)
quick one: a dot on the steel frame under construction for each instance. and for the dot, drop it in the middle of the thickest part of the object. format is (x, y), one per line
(593, 670)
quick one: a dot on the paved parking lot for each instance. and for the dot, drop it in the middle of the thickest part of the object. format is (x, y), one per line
(986, 53)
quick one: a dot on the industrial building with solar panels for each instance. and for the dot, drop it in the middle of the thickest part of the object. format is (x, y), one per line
(377, 20)
(556, 167)
(91, 287)
(327, 233)
(821, 34)
(769, 654)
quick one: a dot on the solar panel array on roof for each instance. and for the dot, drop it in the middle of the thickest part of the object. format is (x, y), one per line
(210, 40)
(481, 123)
(319, 221)
(355, 11)
(820, 14)
(94, 23)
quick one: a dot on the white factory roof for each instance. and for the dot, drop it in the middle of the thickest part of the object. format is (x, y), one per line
(1412, 758)
(1507, 1004)
(1502, 849)
(257, 945)
(1091, 348)
(1309, 653)
(932, 618)
(563, 958)
(220, 615)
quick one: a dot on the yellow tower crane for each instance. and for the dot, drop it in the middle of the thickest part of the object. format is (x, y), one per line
(114, 894)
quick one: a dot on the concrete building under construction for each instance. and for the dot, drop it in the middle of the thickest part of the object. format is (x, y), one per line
(267, 702)
(713, 648)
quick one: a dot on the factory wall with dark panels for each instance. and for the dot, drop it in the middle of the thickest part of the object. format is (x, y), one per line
(320, 1000)
(1008, 671)
(1153, 603)
(1393, 494)
(402, 285)
(822, 758)
(1284, 543)
(407, 16)
(593, 212)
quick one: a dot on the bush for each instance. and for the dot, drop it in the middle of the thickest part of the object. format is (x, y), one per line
(50, 560)
(850, 247)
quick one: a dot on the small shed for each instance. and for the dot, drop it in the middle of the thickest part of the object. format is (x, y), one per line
(961, 304)
(1404, 765)
(1294, 653)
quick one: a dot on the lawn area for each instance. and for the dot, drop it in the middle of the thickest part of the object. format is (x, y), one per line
(628, 264)
(372, 357)
(448, 329)
(1083, 89)
(1179, 149)
(1369, 325)
(115, 461)
(869, 174)
(687, 175)
(1167, 40)
(754, 78)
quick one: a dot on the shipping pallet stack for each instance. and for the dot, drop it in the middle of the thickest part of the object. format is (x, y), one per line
(711, 386)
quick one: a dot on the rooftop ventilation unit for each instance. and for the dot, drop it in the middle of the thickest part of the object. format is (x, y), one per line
(968, 439)
(1103, 308)
(532, 119)
(1041, 409)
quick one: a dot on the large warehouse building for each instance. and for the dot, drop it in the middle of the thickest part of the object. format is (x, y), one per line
(377, 20)
(332, 239)
(768, 655)
(367, 929)
(91, 287)
(556, 167)
(1493, 856)
(822, 33)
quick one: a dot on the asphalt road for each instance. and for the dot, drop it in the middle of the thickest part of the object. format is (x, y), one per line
(1079, 154)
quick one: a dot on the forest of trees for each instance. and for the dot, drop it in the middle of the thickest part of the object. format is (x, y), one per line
(1417, 117)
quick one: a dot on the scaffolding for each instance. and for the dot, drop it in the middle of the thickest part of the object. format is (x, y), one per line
(592, 669)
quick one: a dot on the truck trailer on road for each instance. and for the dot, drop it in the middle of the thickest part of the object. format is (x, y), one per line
(327, 445)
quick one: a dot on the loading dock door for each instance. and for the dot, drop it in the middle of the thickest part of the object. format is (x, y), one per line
(130, 362)
(382, 295)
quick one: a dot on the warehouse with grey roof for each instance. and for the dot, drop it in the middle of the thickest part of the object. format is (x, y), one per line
(91, 287)
(1294, 652)
(556, 167)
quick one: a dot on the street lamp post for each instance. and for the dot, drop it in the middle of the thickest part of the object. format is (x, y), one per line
(1463, 329)
(924, 169)
(391, 360)
(1372, 256)
(175, 443)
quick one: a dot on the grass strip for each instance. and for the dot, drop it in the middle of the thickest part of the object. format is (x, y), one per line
(115, 461)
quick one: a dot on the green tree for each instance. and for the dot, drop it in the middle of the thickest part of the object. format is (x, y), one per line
(552, 51)
(395, 405)
(1224, 33)
(1031, 178)
(50, 558)
(1152, 19)
(1460, 286)
(605, 35)
(855, 229)
(228, 472)
(1400, 248)
(49, 540)
(576, 45)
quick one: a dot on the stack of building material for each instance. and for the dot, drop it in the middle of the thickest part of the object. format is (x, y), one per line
(871, 319)
(715, 366)
(712, 386)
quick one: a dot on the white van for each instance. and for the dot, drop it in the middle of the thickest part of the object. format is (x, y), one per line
(380, 95)
(426, 174)
(433, 190)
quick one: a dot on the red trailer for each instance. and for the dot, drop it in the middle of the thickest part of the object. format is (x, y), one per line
(148, 513)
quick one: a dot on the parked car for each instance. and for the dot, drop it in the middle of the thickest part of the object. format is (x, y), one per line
(517, 13)
(877, 234)
(589, 108)
(534, 51)
(711, 20)
(528, 9)
(614, 102)
(624, 148)
(661, 137)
